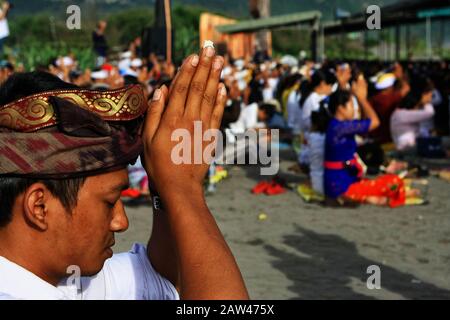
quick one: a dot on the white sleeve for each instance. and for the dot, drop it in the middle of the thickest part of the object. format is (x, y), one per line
(129, 276)
(306, 115)
(414, 116)
(292, 106)
(250, 116)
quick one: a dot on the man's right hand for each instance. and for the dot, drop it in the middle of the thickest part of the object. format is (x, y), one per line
(204, 262)
(196, 95)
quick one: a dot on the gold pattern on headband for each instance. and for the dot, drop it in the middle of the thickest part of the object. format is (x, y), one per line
(37, 112)
(34, 112)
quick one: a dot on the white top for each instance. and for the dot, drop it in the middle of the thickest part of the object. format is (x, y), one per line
(269, 91)
(316, 156)
(125, 276)
(4, 28)
(311, 104)
(248, 119)
(294, 112)
(405, 125)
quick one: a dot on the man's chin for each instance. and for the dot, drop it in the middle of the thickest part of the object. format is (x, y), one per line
(109, 252)
(94, 270)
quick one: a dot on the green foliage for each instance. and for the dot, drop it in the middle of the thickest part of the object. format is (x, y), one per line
(126, 25)
(290, 41)
(33, 54)
(186, 25)
(37, 36)
(36, 39)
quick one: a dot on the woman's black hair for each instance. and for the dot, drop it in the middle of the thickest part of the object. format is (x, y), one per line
(419, 86)
(320, 119)
(286, 83)
(317, 78)
(327, 110)
(269, 109)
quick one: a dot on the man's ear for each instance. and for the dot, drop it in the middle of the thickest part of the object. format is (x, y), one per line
(35, 206)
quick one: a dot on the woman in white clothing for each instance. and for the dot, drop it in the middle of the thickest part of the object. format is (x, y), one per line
(319, 88)
(294, 112)
(313, 148)
(4, 28)
(414, 110)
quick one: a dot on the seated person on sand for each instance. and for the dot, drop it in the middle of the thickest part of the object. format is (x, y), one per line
(320, 86)
(413, 111)
(343, 174)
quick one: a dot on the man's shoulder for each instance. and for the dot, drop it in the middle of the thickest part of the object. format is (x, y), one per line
(129, 275)
(137, 250)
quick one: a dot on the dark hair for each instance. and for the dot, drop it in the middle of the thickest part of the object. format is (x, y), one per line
(320, 119)
(66, 190)
(419, 86)
(286, 83)
(317, 78)
(268, 109)
(327, 110)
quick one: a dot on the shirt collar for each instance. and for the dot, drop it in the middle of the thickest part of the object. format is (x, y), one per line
(20, 283)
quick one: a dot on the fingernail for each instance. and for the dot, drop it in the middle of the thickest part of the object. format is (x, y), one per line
(195, 60)
(157, 95)
(209, 52)
(208, 43)
(218, 64)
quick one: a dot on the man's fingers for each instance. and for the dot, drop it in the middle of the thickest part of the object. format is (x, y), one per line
(198, 85)
(221, 99)
(209, 97)
(174, 80)
(181, 86)
(154, 113)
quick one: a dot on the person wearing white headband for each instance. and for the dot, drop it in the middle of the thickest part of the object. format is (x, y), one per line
(384, 103)
(385, 81)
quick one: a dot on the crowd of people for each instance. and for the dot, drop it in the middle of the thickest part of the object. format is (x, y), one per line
(346, 119)
(342, 118)
(66, 164)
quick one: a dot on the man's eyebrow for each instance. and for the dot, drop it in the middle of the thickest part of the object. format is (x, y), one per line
(121, 187)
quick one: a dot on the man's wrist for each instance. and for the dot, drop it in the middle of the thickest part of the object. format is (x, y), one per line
(175, 193)
(156, 199)
(193, 195)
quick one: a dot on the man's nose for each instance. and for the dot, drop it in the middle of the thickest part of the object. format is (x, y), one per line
(119, 222)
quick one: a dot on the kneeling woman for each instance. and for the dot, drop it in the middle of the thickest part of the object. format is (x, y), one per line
(343, 173)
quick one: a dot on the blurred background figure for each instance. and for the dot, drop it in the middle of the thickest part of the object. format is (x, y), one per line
(99, 42)
(4, 27)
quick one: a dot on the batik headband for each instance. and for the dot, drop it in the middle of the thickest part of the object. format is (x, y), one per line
(71, 133)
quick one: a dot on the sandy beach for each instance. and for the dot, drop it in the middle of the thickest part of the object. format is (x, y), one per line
(307, 251)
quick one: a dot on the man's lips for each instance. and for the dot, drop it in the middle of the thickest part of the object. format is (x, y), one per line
(111, 244)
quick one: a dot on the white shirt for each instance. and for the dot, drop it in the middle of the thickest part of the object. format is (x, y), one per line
(248, 119)
(294, 112)
(4, 28)
(311, 104)
(269, 91)
(405, 125)
(317, 156)
(125, 276)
